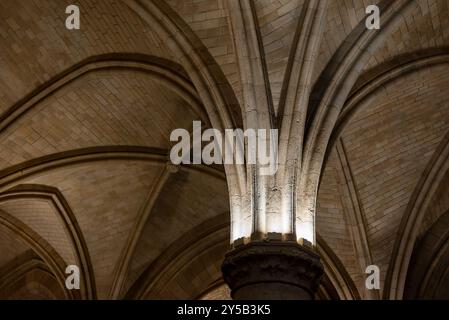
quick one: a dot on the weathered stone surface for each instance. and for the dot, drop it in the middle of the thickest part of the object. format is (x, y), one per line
(272, 270)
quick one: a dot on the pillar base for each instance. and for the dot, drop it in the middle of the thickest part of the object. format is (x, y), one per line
(272, 270)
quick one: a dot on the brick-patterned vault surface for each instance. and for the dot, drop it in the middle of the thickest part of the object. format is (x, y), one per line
(86, 116)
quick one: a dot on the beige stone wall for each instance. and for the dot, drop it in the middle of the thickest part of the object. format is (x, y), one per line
(89, 113)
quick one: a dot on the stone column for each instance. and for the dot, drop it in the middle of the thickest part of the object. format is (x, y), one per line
(272, 270)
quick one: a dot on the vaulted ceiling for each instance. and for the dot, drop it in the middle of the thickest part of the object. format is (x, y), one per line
(85, 121)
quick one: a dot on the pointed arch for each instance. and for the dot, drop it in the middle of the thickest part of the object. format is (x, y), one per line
(367, 86)
(41, 247)
(328, 97)
(205, 245)
(166, 72)
(68, 219)
(211, 84)
(16, 272)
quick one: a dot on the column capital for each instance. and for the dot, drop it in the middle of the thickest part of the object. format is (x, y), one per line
(272, 270)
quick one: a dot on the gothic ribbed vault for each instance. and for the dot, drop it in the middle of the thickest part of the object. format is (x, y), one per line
(86, 116)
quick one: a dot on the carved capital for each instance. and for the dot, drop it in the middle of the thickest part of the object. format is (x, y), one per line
(259, 269)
